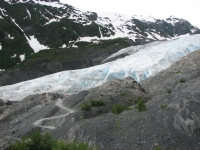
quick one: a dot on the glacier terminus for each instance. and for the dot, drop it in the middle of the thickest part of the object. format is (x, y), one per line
(142, 62)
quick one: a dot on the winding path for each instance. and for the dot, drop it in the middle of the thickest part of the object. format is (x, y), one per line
(59, 103)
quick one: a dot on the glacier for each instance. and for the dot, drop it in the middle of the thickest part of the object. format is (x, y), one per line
(142, 62)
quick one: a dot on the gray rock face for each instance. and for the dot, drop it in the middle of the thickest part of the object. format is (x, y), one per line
(187, 120)
(166, 29)
(181, 82)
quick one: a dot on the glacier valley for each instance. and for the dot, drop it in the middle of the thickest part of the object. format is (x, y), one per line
(142, 62)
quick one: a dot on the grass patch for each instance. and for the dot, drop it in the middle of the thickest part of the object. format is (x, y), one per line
(81, 118)
(141, 105)
(118, 108)
(85, 106)
(163, 106)
(111, 98)
(123, 93)
(158, 148)
(118, 124)
(177, 72)
(37, 141)
(169, 91)
(182, 80)
(96, 102)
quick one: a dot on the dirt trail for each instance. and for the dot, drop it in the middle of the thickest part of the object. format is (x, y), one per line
(59, 103)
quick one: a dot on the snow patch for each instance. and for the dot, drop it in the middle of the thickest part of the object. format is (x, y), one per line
(10, 37)
(52, 20)
(64, 46)
(43, 15)
(28, 13)
(35, 44)
(0, 46)
(2, 11)
(100, 32)
(52, 4)
(75, 46)
(13, 56)
(22, 57)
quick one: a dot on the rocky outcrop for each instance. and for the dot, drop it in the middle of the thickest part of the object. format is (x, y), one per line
(165, 28)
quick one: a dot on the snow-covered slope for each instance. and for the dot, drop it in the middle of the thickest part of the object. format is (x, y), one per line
(143, 62)
(111, 25)
(48, 24)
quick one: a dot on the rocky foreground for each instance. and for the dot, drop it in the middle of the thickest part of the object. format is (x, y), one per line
(171, 120)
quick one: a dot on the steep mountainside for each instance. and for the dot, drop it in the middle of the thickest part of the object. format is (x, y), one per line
(171, 119)
(28, 26)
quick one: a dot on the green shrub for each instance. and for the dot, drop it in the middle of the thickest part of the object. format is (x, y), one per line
(61, 145)
(169, 91)
(182, 80)
(118, 124)
(141, 105)
(158, 148)
(37, 141)
(163, 106)
(177, 72)
(111, 98)
(96, 102)
(85, 106)
(118, 108)
(123, 93)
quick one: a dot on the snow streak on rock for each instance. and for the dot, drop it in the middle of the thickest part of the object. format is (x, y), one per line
(144, 61)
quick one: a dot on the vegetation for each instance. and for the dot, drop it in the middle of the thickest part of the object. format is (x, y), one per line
(118, 124)
(37, 141)
(13, 47)
(177, 72)
(53, 35)
(43, 57)
(158, 148)
(111, 98)
(85, 106)
(163, 106)
(182, 80)
(123, 93)
(141, 105)
(96, 102)
(118, 108)
(169, 91)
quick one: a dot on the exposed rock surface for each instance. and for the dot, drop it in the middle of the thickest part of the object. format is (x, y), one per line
(172, 118)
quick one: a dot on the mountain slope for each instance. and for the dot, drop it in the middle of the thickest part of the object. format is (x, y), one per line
(171, 120)
(45, 25)
(143, 62)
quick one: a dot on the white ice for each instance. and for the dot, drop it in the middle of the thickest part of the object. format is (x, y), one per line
(143, 62)
(0, 46)
(14, 56)
(28, 13)
(52, 4)
(22, 57)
